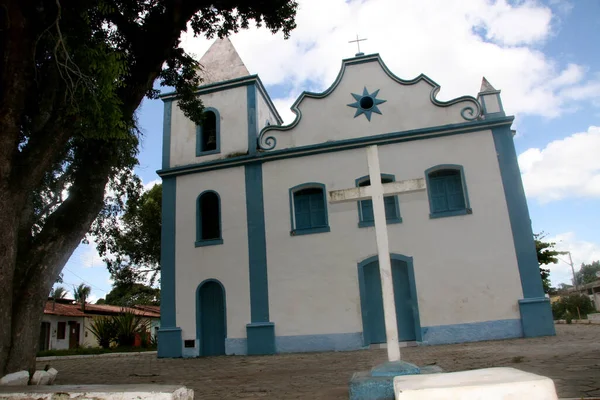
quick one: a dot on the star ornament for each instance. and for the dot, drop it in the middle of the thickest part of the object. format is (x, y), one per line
(366, 103)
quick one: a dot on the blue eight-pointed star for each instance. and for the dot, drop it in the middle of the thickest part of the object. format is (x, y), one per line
(366, 103)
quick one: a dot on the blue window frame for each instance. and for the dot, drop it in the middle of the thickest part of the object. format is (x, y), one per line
(308, 209)
(365, 207)
(208, 219)
(447, 191)
(208, 135)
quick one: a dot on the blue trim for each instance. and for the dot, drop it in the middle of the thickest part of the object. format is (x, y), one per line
(308, 231)
(365, 224)
(252, 118)
(535, 314)
(413, 293)
(518, 213)
(235, 347)
(469, 112)
(439, 167)
(166, 150)
(340, 145)
(198, 316)
(261, 338)
(257, 259)
(200, 132)
(207, 242)
(472, 332)
(325, 342)
(170, 344)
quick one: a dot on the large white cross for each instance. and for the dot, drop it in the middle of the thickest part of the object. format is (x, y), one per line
(376, 191)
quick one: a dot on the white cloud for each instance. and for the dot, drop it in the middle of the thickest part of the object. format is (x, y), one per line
(568, 167)
(582, 252)
(454, 42)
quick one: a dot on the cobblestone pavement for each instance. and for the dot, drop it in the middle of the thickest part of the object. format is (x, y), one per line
(571, 359)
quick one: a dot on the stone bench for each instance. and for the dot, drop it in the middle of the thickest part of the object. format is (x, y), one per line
(97, 392)
(480, 384)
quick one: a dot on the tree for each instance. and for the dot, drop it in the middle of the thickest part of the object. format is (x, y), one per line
(81, 293)
(129, 237)
(545, 255)
(58, 292)
(72, 74)
(587, 273)
(572, 306)
(127, 295)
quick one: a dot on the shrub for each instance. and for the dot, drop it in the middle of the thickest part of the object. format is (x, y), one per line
(127, 325)
(566, 307)
(103, 328)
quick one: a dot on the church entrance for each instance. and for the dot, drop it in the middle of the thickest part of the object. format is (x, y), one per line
(372, 302)
(210, 321)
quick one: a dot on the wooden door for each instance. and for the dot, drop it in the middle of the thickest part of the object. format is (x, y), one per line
(212, 319)
(44, 343)
(73, 335)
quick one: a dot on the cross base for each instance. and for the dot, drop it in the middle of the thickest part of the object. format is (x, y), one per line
(378, 383)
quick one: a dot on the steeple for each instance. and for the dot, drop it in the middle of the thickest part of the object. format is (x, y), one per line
(221, 62)
(486, 86)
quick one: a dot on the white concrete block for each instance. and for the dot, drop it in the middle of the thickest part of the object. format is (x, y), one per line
(481, 384)
(40, 378)
(99, 392)
(53, 373)
(15, 379)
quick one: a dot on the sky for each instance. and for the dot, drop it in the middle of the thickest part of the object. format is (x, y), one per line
(542, 55)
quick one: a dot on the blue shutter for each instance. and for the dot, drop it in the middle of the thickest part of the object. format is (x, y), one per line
(317, 210)
(367, 211)
(438, 194)
(302, 210)
(390, 207)
(454, 190)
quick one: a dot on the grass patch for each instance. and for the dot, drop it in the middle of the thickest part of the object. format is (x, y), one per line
(91, 350)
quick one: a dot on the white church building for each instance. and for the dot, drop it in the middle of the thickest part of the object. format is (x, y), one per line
(255, 260)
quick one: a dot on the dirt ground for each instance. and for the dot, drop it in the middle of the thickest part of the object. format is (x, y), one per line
(571, 359)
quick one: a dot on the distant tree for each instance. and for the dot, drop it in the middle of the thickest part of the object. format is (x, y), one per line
(58, 292)
(101, 301)
(81, 293)
(133, 294)
(587, 273)
(128, 235)
(572, 306)
(546, 254)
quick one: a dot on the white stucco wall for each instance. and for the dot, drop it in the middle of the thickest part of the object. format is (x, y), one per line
(61, 344)
(232, 106)
(465, 266)
(407, 107)
(227, 262)
(264, 112)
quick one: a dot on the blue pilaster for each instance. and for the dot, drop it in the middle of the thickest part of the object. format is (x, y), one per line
(260, 332)
(252, 118)
(536, 313)
(169, 335)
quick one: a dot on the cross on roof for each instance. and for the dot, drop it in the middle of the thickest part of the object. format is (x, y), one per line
(357, 41)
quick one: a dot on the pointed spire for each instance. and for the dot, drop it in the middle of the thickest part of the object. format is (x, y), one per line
(486, 86)
(221, 62)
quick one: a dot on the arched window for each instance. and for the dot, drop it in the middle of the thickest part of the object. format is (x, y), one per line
(447, 191)
(308, 209)
(207, 134)
(208, 219)
(365, 207)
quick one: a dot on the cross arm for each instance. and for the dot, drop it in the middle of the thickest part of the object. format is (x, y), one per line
(406, 186)
(353, 194)
(366, 192)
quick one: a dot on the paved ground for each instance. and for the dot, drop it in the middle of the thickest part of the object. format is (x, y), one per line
(571, 359)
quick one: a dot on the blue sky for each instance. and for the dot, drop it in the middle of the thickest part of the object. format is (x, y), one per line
(541, 54)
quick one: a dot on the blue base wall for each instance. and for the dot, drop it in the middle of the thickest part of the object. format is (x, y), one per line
(169, 342)
(472, 332)
(536, 317)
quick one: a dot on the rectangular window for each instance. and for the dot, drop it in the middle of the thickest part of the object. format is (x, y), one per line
(447, 192)
(61, 330)
(309, 210)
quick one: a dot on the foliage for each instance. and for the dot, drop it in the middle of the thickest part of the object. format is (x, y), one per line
(545, 255)
(73, 73)
(101, 301)
(129, 294)
(128, 237)
(587, 273)
(58, 292)
(571, 306)
(103, 328)
(127, 325)
(91, 350)
(81, 293)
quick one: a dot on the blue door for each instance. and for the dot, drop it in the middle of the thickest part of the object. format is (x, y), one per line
(212, 319)
(372, 306)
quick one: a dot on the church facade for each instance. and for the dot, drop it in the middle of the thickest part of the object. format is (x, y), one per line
(256, 261)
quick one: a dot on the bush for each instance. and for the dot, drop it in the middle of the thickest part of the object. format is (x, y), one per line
(127, 325)
(567, 307)
(104, 330)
